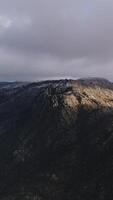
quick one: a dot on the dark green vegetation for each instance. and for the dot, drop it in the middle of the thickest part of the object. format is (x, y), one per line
(56, 140)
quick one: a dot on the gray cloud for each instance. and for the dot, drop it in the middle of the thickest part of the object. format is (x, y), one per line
(63, 38)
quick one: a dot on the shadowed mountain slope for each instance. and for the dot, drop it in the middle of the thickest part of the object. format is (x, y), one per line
(56, 140)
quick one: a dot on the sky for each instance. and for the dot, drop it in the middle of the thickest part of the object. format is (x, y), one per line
(47, 39)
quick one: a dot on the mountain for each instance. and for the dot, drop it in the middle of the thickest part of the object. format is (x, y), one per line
(56, 140)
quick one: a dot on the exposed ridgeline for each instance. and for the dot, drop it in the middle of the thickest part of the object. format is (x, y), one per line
(56, 140)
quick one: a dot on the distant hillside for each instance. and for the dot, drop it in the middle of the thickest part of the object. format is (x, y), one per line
(56, 140)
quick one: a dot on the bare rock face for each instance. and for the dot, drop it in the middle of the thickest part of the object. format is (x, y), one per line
(56, 140)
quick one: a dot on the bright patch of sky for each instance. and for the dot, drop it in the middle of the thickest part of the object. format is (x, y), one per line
(5, 22)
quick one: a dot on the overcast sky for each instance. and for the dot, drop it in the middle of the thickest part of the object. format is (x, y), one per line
(41, 39)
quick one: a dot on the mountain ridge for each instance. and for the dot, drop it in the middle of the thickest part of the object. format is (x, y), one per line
(56, 140)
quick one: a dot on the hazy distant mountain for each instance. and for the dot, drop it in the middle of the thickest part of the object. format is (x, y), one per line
(56, 140)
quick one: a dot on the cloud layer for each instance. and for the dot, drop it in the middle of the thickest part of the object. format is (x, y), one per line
(42, 39)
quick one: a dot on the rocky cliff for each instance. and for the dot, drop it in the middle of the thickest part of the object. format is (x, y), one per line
(56, 140)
